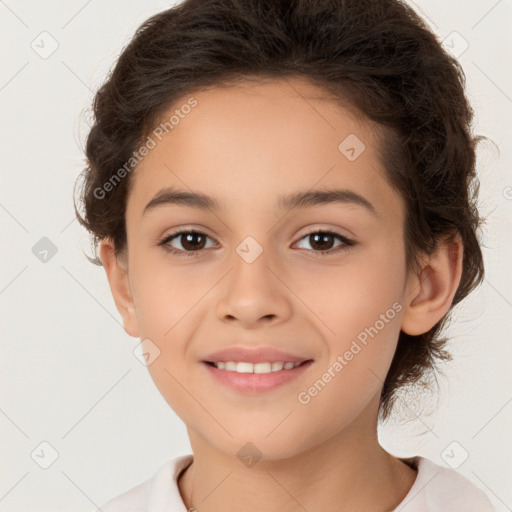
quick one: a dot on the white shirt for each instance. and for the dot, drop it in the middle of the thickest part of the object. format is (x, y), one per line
(436, 489)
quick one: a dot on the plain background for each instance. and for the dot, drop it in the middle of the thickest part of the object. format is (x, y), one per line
(68, 374)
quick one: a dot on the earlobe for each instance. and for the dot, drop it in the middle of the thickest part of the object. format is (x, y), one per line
(117, 275)
(430, 295)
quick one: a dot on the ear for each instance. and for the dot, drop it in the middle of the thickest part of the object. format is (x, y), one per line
(116, 268)
(430, 295)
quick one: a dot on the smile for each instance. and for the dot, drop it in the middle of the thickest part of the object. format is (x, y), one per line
(244, 367)
(255, 378)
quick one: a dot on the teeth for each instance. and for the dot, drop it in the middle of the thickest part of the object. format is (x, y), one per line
(243, 367)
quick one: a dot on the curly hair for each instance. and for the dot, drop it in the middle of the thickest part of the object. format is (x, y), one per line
(376, 57)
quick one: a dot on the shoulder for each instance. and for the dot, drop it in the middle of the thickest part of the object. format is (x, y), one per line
(159, 490)
(440, 489)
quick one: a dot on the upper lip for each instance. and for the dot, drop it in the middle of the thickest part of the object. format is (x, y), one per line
(254, 355)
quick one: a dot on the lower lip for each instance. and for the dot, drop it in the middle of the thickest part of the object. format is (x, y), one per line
(256, 382)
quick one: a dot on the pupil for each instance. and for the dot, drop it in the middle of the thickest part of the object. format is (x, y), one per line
(188, 237)
(322, 238)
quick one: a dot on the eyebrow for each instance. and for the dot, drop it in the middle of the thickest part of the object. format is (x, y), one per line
(301, 199)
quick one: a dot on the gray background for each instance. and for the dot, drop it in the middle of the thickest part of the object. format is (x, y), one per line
(68, 374)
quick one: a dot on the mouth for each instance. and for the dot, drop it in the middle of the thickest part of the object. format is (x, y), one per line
(255, 378)
(259, 368)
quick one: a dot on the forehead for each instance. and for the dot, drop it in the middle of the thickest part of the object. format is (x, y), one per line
(254, 141)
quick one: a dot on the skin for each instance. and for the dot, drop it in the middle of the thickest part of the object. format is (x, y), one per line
(246, 145)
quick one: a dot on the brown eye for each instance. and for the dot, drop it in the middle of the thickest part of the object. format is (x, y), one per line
(191, 242)
(322, 241)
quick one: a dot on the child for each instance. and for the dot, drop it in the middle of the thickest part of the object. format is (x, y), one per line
(319, 154)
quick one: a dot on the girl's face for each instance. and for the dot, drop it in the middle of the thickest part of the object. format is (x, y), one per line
(256, 275)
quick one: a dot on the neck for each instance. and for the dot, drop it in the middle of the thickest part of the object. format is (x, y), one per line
(349, 471)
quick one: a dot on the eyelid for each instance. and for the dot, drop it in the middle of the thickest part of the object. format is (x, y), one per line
(307, 231)
(329, 229)
(187, 229)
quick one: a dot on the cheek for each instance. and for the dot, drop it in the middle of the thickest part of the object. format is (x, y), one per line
(165, 295)
(366, 327)
(170, 306)
(349, 298)
(359, 306)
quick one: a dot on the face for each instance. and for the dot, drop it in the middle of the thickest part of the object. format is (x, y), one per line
(263, 272)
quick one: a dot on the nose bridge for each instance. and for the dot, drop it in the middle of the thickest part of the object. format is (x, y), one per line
(253, 291)
(251, 261)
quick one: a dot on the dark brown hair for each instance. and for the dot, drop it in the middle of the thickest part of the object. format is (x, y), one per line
(378, 57)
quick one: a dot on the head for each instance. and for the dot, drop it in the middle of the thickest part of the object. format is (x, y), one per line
(253, 101)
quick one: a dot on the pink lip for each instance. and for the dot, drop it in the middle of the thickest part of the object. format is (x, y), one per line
(252, 383)
(254, 355)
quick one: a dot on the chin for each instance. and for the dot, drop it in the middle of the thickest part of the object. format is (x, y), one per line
(251, 447)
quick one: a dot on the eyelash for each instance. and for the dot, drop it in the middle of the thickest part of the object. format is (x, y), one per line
(348, 244)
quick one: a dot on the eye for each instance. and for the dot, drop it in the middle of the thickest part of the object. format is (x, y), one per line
(192, 242)
(325, 237)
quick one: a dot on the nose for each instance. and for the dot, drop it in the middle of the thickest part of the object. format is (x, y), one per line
(253, 294)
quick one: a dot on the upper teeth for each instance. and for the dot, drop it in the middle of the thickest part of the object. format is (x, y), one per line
(254, 367)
